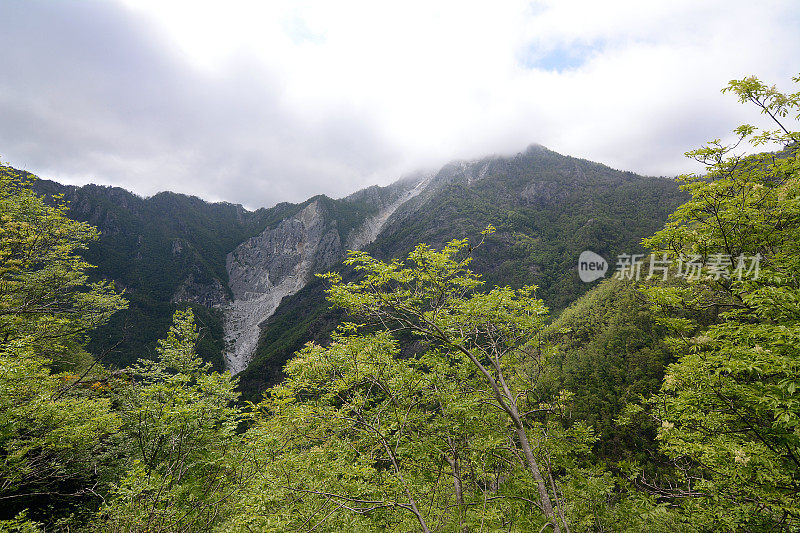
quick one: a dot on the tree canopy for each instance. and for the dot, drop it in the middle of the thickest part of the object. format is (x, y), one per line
(53, 431)
(728, 411)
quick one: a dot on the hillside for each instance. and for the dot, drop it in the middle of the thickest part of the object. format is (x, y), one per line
(249, 275)
(547, 208)
(171, 250)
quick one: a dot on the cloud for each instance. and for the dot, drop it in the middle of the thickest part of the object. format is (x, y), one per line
(257, 102)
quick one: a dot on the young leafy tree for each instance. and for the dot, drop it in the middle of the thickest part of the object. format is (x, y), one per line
(47, 304)
(54, 428)
(180, 427)
(434, 295)
(364, 439)
(729, 410)
(365, 436)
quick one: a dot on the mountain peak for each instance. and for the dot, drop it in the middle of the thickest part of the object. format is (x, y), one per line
(534, 149)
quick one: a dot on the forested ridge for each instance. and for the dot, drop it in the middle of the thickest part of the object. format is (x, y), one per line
(166, 252)
(170, 250)
(436, 399)
(546, 208)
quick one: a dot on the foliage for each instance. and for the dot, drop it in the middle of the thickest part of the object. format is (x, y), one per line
(728, 408)
(180, 438)
(55, 423)
(434, 296)
(19, 524)
(406, 443)
(466, 433)
(46, 304)
(609, 352)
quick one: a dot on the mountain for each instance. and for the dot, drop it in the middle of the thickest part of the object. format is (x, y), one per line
(163, 252)
(249, 275)
(173, 250)
(547, 208)
(284, 257)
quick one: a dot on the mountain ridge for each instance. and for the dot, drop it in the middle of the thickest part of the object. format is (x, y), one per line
(547, 208)
(171, 250)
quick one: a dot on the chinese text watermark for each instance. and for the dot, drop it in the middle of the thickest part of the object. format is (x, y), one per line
(592, 266)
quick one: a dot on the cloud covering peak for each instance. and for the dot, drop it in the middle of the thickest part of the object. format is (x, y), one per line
(257, 103)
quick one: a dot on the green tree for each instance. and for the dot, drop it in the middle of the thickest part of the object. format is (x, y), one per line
(367, 435)
(180, 440)
(365, 439)
(47, 305)
(729, 411)
(54, 427)
(434, 296)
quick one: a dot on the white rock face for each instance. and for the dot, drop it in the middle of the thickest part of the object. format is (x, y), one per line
(281, 261)
(242, 318)
(373, 225)
(265, 268)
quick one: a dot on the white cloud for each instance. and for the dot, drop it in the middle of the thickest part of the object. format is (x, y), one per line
(269, 101)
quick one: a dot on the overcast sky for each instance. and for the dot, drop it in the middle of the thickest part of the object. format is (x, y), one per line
(260, 102)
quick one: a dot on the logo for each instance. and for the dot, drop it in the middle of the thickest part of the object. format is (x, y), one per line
(591, 266)
(692, 267)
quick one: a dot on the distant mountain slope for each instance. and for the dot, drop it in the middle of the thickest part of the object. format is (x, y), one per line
(172, 250)
(283, 258)
(547, 208)
(250, 275)
(164, 251)
(610, 352)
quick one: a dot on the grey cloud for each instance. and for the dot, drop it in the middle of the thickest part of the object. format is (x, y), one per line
(93, 91)
(90, 92)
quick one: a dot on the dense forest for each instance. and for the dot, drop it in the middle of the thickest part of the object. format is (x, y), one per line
(440, 401)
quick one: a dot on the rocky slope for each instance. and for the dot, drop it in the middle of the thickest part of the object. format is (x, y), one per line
(282, 260)
(267, 267)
